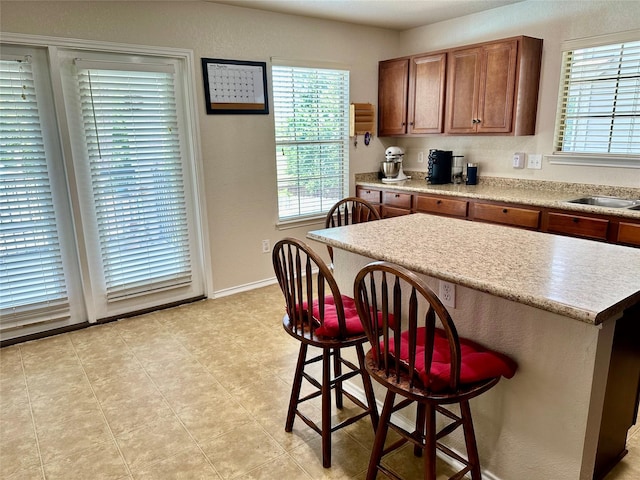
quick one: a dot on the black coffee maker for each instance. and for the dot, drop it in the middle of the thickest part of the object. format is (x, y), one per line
(439, 170)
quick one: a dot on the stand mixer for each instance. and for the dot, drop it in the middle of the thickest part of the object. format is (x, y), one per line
(392, 166)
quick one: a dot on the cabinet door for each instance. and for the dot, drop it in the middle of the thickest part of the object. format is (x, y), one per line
(462, 90)
(629, 233)
(426, 93)
(577, 225)
(393, 84)
(507, 215)
(497, 87)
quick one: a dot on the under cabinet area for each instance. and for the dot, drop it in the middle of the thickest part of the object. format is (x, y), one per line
(488, 88)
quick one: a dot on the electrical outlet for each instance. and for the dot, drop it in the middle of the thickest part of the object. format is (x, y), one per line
(265, 246)
(420, 157)
(447, 294)
(518, 159)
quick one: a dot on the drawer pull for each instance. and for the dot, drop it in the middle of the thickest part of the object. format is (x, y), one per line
(397, 195)
(504, 210)
(438, 202)
(575, 219)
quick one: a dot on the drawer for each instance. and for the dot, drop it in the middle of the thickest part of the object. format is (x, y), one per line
(388, 212)
(577, 225)
(442, 206)
(394, 199)
(629, 233)
(370, 195)
(519, 217)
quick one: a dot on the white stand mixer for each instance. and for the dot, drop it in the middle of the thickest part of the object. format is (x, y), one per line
(392, 165)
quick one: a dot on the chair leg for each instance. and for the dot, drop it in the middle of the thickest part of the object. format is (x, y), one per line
(430, 443)
(470, 440)
(337, 371)
(296, 387)
(368, 388)
(381, 435)
(326, 407)
(420, 426)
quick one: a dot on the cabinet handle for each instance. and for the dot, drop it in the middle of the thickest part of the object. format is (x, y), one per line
(504, 210)
(397, 195)
(411, 123)
(438, 202)
(575, 220)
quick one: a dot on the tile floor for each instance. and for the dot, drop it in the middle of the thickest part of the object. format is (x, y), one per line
(195, 392)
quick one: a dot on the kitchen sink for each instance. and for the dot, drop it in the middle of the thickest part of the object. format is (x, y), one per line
(609, 202)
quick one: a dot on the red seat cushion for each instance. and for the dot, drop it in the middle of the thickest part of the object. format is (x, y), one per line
(477, 362)
(330, 327)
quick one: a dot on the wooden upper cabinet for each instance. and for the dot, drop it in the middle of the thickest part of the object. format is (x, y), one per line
(426, 93)
(493, 87)
(411, 95)
(393, 85)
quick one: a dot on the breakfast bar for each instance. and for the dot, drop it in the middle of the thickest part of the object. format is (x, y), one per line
(566, 309)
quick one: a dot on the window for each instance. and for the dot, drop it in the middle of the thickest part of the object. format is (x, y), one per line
(311, 110)
(599, 103)
(98, 204)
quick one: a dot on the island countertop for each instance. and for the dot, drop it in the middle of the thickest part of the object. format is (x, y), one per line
(580, 279)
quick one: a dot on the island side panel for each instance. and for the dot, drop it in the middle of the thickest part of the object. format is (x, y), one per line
(544, 422)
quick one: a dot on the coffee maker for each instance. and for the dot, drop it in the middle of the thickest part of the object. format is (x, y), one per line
(439, 169)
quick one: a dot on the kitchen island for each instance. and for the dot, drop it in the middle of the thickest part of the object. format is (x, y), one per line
(566, 309)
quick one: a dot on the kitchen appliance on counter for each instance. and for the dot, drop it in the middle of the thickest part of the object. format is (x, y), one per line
(439, 169)
(392, 166)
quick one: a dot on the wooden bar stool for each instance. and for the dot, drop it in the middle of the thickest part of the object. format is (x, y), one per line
(348, 211)
(422, 359)
(318, 315)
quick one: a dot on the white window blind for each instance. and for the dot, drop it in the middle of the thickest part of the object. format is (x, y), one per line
(132, 138)
(311, 110)
(599, 105)
(32, 282)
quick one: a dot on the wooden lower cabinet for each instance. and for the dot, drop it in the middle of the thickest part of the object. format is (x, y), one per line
(629, 233)
(441, 206)
(395, 204)
(607, 228)
(577, 225)
(506, 215)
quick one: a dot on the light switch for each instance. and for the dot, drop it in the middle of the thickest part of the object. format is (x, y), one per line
(534, 161)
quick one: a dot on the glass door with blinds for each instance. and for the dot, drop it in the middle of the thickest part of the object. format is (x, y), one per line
(135, 183)
(105, 222)
(39, 276)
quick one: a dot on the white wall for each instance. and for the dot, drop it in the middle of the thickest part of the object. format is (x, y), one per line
(238, 150)
(554, 21)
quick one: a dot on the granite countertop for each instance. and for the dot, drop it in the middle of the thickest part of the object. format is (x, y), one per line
(580, 279)
(526, 192)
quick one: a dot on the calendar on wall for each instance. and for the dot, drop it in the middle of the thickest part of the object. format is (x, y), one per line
(235, 86)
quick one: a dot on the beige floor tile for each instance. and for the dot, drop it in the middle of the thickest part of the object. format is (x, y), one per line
(18, 454)
(241, 450)
(187, 465)
(63, 440)
(54, 408)
(130, 413)
(153, 442)
(348, 457)
(280, 468)
(205, 423)
(103, 461)
(15, 422)
(34, 473)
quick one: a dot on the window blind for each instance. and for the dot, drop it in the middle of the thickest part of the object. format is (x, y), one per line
(311, 111)
(32, 282)
(133, 144)
(599, 105)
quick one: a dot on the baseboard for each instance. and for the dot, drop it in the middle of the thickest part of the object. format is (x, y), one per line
(243, 288)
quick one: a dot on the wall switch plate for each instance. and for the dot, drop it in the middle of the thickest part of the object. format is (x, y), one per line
(447, 294)
(534, 161)
(518, 159)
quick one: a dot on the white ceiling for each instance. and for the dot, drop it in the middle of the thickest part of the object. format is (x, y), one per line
(392, 14)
